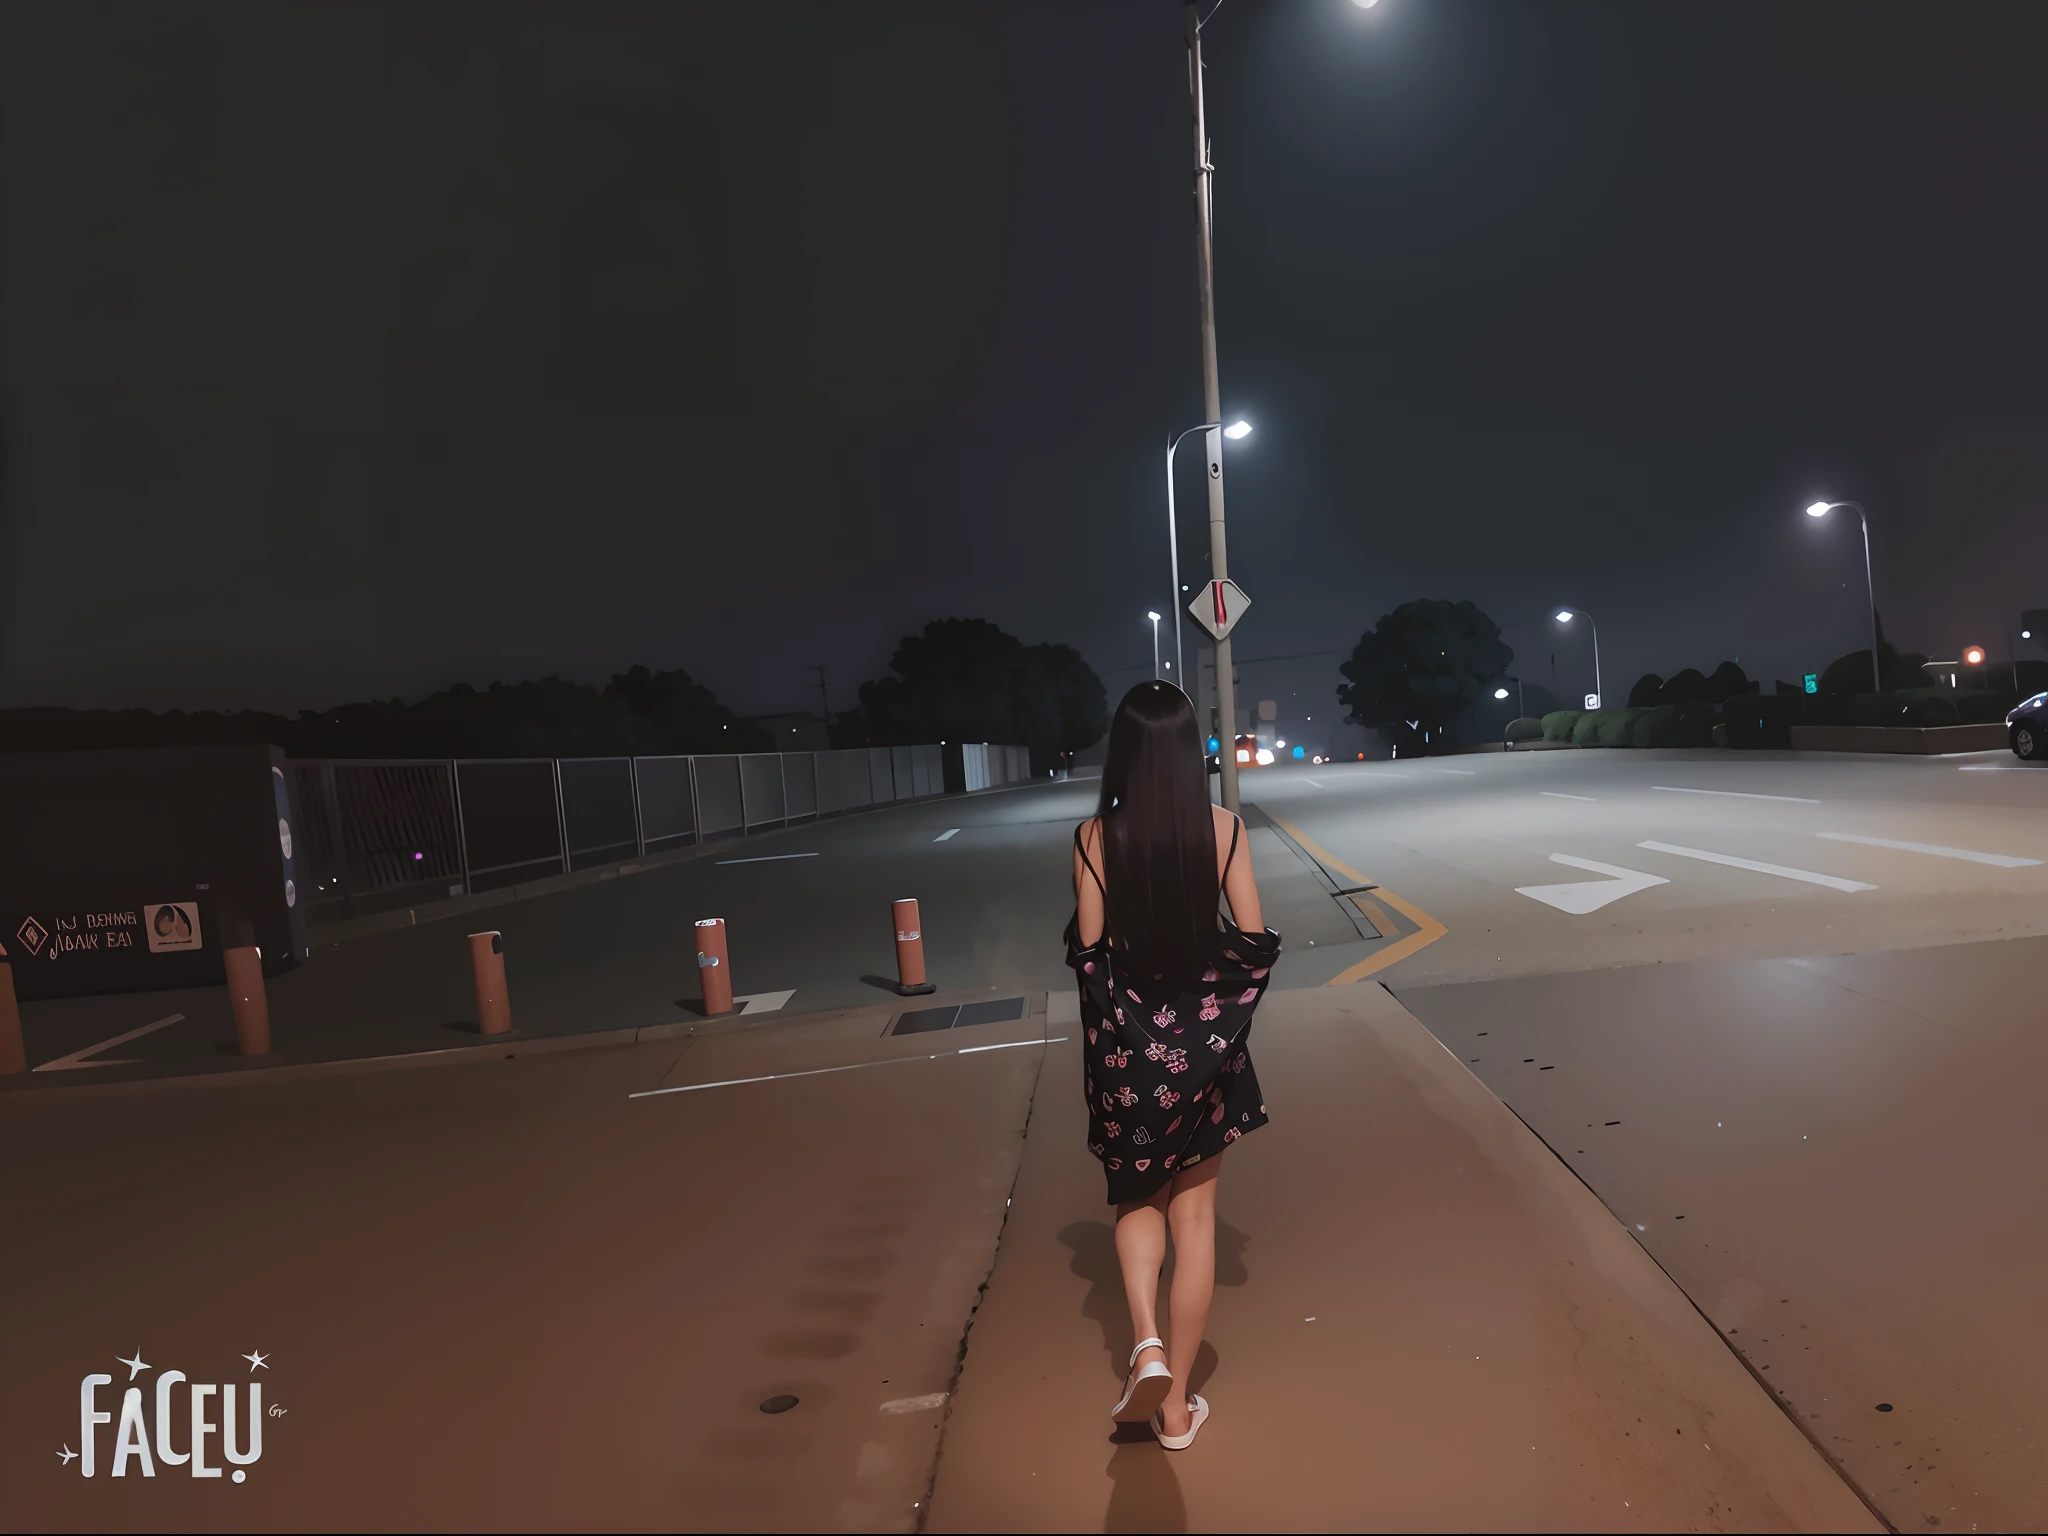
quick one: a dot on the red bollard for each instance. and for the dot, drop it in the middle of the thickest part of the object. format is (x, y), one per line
(714, 970)
(493, 1000)
(13, 1054)
(910, 980)
(246, 1000)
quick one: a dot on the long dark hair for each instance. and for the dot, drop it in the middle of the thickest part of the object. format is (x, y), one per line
(1159, 840)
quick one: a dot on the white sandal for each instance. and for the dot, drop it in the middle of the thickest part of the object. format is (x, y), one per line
(1198, 1415)
(1145, 1389)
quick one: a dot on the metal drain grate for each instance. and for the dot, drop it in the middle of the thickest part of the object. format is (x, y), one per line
(995, 1011)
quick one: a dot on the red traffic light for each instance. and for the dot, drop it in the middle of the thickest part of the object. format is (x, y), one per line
(1973, 656)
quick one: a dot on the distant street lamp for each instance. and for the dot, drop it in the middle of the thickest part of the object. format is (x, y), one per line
(1237, 432)
(1565, 616)
(1822, 509)
(1155, 643)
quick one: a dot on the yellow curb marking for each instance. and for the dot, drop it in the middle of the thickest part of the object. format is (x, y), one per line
(1427, 929)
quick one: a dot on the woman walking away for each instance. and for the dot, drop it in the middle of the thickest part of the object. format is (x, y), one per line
(1168, 988)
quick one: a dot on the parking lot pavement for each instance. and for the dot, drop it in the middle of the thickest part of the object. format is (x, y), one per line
(1840, 1161)
(513, 1294)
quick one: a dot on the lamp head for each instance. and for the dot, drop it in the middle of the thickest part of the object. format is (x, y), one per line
(1564, 615)
(1500, 693)
(1151, 615)
(1820, 509)
(1238, 430)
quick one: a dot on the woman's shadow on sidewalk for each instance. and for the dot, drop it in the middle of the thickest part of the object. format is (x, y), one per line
(1145, 1493)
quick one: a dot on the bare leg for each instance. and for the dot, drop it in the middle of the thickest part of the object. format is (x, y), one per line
(1191, 1212)
(1141, 1250)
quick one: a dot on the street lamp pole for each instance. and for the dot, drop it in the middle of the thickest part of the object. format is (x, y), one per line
(1173, 552)
(1822, 509)
(1565, 616)
(1155, 644)
(1212, 402)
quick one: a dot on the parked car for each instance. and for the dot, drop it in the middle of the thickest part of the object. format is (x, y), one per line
(2027, 729)
(1248, 757)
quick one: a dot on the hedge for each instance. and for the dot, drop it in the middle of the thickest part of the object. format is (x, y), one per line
(1658, 726)
(1558, 724)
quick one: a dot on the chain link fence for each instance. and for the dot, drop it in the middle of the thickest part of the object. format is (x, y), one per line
(383, 834)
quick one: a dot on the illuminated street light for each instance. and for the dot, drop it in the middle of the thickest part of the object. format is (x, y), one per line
(1565, 616)
(1822, 509)
(1155, 643)
(1973, 656)
(1500, 693)
(1238, 431)
(1365, 5)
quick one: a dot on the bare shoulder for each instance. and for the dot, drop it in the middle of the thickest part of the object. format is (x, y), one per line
(1089, 832)
(1224, 820)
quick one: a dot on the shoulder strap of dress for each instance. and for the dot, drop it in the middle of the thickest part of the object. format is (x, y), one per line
(1231, 858)
(1082, 849)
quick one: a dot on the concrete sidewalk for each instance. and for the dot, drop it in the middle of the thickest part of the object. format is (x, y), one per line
(1423, 1321)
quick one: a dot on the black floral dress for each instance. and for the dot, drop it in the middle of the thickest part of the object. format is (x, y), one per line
(1168, 1083)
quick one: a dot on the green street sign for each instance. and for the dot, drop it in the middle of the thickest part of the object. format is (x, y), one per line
(1813, 682)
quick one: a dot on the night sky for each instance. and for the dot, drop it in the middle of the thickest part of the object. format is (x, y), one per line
(354, 351)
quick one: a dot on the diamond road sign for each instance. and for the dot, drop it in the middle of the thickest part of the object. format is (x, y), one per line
(1218, 607)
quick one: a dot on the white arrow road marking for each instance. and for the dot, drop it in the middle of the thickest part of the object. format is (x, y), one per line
(1783, 872)
(949, 832)
(1583, 896)
(765, 1002)
(2002, 860)
(76, 1060)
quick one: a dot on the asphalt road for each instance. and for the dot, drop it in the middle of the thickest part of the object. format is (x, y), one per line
(1452, 844)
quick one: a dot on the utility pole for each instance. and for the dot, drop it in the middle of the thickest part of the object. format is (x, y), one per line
(824, 700)
(1212, 404)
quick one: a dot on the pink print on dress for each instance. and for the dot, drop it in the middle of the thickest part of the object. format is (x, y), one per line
(1210, 1011)
(1155, 1052)
(1119, 1015)
(1176, 1061)
(1164, 1017)
(1117, 1058)
(1175, 1126)
(1115, 1163)
(1108, 1102)
(1229, 1136)
(1209, 974)
(1142, 1164)
(1168, 1163)
(1166, 1096)
(1088, 967)
(1260, 973)
(1091, 1037)
(1218, 1044)
(1132, 995)
(1217, 1117)
(1124, 1096)
(1112, 1129)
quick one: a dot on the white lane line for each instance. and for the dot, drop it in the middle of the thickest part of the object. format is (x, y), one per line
(75, 1061)
(949, 832)
(768, 858)
(1317, 782)
(1461, 772)
(1731, 794)
(1784, 872)
(1560, 795)
(2001, 768)
(1580, 897)
(765, 1002)
(2002, 860)
(893, 1061)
